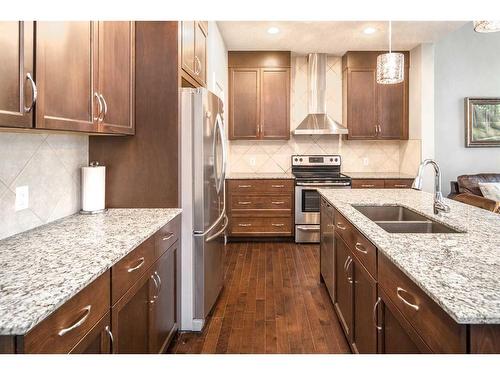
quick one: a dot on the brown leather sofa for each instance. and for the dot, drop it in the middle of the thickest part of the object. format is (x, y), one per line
(466, 190)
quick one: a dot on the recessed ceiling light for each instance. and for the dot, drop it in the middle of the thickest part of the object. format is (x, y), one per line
(273, 30)
(370, 30)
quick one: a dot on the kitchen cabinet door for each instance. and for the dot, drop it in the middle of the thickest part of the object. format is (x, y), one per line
(392, 110)
(187, 46)
(66, 75)
(200, 54)
(164, 307)
(274, 103)
(16, 74)
(364, 333)
(98, 340)
(116, 76)
(362, 104)
(244, 103)
(130, 318)
(327, 261)
(343, 286)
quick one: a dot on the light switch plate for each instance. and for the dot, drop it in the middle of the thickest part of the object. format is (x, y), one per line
(253, 161)
(22, 198)
(366, 161)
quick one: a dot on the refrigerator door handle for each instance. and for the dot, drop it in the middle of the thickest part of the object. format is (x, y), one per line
(219, 132)
(215, 235)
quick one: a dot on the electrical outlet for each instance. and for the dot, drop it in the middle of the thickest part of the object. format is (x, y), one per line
(22, 198)
(253, 161)
(366, 161)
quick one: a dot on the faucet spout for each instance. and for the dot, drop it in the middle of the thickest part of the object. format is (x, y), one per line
(439, 204)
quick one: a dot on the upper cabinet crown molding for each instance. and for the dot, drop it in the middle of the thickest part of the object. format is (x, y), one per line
(259, 95)
(372, 110)
(83, 73)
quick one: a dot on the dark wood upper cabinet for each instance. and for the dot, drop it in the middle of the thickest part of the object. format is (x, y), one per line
(372, 110)
(16, 74)
(116, 76)
(244, 103)
(66, 76)
(259, 95)
(193, 56)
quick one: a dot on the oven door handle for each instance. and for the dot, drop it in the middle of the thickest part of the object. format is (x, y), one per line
(313, 184)
(308, 229)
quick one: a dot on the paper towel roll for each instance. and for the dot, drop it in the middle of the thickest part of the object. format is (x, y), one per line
(93, 188)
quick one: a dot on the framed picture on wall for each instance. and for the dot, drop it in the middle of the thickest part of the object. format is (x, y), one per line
(482, 122)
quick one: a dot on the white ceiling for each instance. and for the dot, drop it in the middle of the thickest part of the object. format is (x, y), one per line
(333, 37)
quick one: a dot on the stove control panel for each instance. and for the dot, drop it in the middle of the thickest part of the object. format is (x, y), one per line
(315, 160)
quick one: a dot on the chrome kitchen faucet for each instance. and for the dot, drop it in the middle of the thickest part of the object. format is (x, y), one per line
(439, 205)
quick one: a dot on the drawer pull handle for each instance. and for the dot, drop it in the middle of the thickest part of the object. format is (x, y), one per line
(244, 202)
(340, 226)
(367, 185)
(400, 185)
(360, 248)
(278, 186)
(111, 338)
(278, 202)
(139, 265)
(244, 186)
(82, 320)
(375, 322)
(412, 305)
(167, 237)
(244, 225)
(278, 225)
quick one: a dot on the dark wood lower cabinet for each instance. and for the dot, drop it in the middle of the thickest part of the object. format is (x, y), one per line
(364, 331)
(343, 285)
(98, 340)
(327, 246)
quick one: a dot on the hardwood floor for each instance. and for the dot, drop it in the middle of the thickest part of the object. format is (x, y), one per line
(273, 302)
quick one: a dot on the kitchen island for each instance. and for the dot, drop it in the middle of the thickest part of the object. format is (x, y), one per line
(455, 275)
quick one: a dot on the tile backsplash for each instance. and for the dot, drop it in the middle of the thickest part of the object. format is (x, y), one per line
(49, 164)
(357, 156)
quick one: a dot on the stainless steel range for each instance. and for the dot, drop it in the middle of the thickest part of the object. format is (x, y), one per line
(311, 173)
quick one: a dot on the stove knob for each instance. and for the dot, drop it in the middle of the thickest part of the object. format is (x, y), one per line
(336, 159)
(296, 159)
(300, 159)
(331, 159)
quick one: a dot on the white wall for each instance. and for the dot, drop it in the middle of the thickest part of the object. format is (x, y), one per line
(217, 74)
(466, 64)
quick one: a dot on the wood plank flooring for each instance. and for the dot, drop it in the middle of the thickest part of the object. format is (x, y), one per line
(272, 302)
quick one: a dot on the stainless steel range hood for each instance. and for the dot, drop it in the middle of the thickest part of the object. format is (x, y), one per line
(317, 121)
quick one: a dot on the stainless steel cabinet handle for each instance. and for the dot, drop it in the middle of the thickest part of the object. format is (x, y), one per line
(244, 225)
(376, 130)
(197, 65)
(139, 265)
(375, 322)
(101, 105)
(111, 338)
(278, 202)
(367, 185)
(155, 296)
(159, 283)
(278, 225)
(412, 305)
(105, 111)
(277, 186)
(360, 248)
(82, 320)
(340, 226)
(244, 186)
(34, 93)
(379, 129)
(244, 202)
(346, 267)
(400, 185)
(168, 236)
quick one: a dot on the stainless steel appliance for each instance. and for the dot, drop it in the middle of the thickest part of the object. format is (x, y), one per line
(311, 173)
(204, 157)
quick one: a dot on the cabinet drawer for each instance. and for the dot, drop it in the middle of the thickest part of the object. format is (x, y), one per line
(272, 186)
(398, 184)
(128, 270)
(363, 249)
(63, 329)
(167, 236)
(440, 332)
(259, 202)
(243, 226)
(368, 184)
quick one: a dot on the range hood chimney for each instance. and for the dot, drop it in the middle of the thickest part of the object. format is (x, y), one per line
(317, 121)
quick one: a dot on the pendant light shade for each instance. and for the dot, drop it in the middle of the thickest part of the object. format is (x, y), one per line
(390, 66)
(486, 26)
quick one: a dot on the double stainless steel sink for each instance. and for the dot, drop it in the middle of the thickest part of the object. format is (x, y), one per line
(399, 219)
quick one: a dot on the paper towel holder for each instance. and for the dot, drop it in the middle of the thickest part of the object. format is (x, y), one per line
(93, 212)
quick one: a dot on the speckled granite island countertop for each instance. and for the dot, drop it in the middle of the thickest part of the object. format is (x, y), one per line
(43, 268)
(460, 272)
(259, 176)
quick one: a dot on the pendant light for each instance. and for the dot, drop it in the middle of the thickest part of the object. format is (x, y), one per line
(486, 26)
(390, 66)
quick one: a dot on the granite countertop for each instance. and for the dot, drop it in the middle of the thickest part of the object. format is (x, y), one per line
(263, 176)
(379, 175)
(460, 272)
(43, 268)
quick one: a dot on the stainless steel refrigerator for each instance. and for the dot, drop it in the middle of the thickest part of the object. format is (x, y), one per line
(203, 164)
